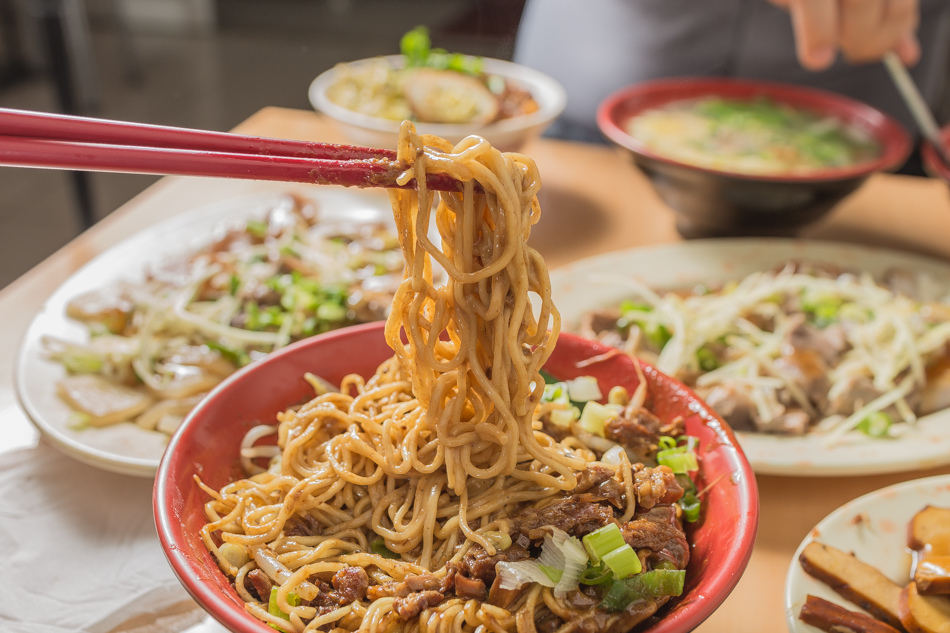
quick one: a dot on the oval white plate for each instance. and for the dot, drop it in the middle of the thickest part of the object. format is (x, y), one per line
(126, 448)
(874, 527)
(598, 282)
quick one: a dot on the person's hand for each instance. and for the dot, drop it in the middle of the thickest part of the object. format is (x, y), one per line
(862, 30)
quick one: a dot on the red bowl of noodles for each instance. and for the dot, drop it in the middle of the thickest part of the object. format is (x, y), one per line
(207, 445)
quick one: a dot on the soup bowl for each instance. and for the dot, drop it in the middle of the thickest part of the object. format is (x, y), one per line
(207, 444)
(719, 203)
(506, 134)
(933, 163)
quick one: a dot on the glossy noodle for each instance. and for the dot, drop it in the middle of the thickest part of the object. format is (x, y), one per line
(384, 488)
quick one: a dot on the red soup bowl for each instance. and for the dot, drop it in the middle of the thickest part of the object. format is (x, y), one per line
(208, 441)
(716, 203)
(933, 163)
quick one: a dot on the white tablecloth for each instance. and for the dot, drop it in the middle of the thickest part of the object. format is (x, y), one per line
(78, 544)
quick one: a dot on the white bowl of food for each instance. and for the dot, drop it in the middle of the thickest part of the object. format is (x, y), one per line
(506, 103)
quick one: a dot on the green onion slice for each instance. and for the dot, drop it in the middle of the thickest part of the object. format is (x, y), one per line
(379, 548)
(647, 585)
(680, 460)
(272, 608)
(623, 561)
(690, 505)
(877, 424)
(602, 541)
(597, 575)
(666, 442)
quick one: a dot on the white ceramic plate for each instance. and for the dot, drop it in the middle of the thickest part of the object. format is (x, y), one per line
(874, 527)
(598, 282)
(126, 448)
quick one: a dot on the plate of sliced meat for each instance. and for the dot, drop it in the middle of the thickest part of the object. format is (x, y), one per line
(825, 358)
(132, 341)
(878, 564)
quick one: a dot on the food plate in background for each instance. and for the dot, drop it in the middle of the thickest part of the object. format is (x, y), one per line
(598, 283)
(874, 528)
(124, 447)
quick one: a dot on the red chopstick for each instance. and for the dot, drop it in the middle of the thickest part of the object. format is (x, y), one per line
(53, 141)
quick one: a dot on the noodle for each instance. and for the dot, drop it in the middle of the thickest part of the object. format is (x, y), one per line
(404, 473)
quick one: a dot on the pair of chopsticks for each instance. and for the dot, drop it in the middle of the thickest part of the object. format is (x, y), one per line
(53, 141)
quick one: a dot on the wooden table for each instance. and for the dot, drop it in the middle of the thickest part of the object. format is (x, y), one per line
(593, 201)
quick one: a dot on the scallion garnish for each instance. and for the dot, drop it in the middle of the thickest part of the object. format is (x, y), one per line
(690, 505)
(272, 607)
(646, 585)
(877, 424)
(666, 442)
(553, 573)
(623, 561)
(598, 574)
(379, 548)
(257, 228)
(680, 459)
(602, 541)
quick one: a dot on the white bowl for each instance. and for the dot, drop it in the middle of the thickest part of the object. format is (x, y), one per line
(506, 135)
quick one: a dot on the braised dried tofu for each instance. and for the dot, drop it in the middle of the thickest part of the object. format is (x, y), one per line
(929, 536)
(833, 618)
(856, 581)
(102, 402)
(932, 574)
(924, 614)
(930, 528)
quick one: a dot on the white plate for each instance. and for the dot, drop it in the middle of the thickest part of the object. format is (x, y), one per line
(598, 282)
(874, 527)
(126, 448)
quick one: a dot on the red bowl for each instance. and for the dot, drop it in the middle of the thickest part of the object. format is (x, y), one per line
(717, 203)
(207, 445)
(932, 161)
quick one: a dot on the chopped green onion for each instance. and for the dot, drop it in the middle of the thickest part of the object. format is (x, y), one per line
(584, 389)
(79, 421)
(501, 540)
(234, 284)
(272, 608)
(876, 424)
(564, 417)
(237, 357)
(379, 548)
(77, 360)
(657, 334)
(824, 309)
(595, 416)
(707, 359)
(602, 541)
(234, 554)
(598, 574)
(623, 561)
(331, 312)
(680, 460)
(632, 306)
(649, 584)
(556, 392)
(257, 228)
(690, 504)
(666, 442)
(553, 573)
